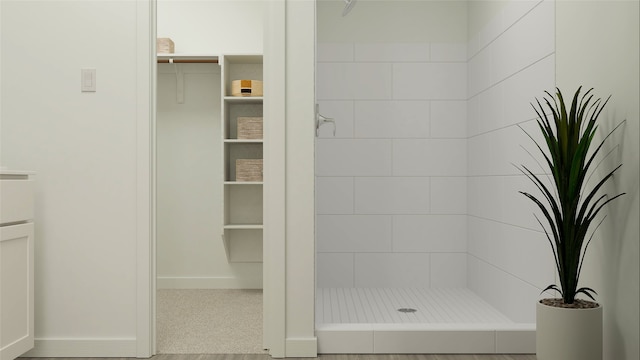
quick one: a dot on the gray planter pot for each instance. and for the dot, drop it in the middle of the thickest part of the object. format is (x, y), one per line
(568, 334)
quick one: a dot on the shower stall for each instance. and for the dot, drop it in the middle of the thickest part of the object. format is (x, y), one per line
(423, 244)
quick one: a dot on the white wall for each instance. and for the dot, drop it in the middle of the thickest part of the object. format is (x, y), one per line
(388, 21)
(212, 26)
(83, 147)
(190, 252)
(387, 200)
(511, 62)
(597, 46)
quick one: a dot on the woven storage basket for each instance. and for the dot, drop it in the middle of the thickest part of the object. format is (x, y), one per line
(165, 46)
(249, 170)
(246, 88)
(249, 127)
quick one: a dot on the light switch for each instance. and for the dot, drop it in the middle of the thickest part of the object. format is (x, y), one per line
(88, 81)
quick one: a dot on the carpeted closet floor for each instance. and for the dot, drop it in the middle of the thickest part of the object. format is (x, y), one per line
(209, 322)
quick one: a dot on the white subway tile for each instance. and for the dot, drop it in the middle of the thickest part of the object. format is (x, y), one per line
(449, 119)
(342, 112)
(508, 294)
(529, 40)
(491, 30)
(353, 233)
(514, 10)
(449, 195)
(473, 46)
(334, 52)
(334, 270)
(449, 270)
(448, 52)
(523, 253)
(337, 157)
(334, 81)
(433, 157)
(497, 152)
(433, 81)
(334, 195)
(392, 119)
(371, 81)
(429, 233)
(392, 195)
(521, 90)
(479, 66)
(391, 52)
(392, 270)
(498, 198)
(473, 122)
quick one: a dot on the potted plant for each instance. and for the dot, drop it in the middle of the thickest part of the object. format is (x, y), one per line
(569, 328)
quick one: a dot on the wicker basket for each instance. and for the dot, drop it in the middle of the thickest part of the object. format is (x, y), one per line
(249, 170)
(246, 88)
(249, 127)
(165, 46)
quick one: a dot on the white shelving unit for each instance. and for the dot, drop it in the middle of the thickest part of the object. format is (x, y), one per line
(243, 200)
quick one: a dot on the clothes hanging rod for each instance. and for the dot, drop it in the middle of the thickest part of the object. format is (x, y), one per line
(187, 61)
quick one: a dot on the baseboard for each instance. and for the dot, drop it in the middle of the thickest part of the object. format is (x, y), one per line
(83, 348)
(207, 283)
(301, 347)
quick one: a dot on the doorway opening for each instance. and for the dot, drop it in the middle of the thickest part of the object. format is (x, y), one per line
(208, 290)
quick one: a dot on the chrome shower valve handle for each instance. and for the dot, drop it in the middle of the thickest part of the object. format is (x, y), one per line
(321, 120)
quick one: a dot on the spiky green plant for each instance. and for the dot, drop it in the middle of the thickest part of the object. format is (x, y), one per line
(570, 209)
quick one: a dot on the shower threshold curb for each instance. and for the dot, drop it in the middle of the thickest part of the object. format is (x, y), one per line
(423, 338)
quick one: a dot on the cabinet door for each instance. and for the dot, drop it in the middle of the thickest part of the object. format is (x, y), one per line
(16, 290)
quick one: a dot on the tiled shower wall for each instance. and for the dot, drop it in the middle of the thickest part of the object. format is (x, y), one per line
(511, 62)
(391, 185)
(418, 187)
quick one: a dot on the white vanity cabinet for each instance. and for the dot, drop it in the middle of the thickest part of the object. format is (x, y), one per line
(16, 263)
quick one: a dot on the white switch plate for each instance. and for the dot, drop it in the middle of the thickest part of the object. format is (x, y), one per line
(88, 81)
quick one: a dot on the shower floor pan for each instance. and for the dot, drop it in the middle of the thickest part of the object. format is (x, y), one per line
(445, 321)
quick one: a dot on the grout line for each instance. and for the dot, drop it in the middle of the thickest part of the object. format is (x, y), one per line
(509, 76)
(503, 270)
(504, 31)
(393, 221)
(353, 184)
(505, 223)
(501, 128)
(353, 278)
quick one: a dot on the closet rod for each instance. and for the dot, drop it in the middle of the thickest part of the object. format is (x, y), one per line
(187, 61)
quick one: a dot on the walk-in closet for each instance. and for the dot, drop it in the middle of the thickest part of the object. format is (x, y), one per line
(209, 189)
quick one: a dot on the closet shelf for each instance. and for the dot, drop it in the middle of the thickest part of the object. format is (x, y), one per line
(244, 99)
(187, 58)
(244, 183)
(243, 141)
(243, 227)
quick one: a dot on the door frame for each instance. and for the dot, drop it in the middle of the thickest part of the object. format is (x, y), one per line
(274, 271)
(145, 177)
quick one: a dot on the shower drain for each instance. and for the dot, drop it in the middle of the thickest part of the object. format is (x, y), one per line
(407, 310)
